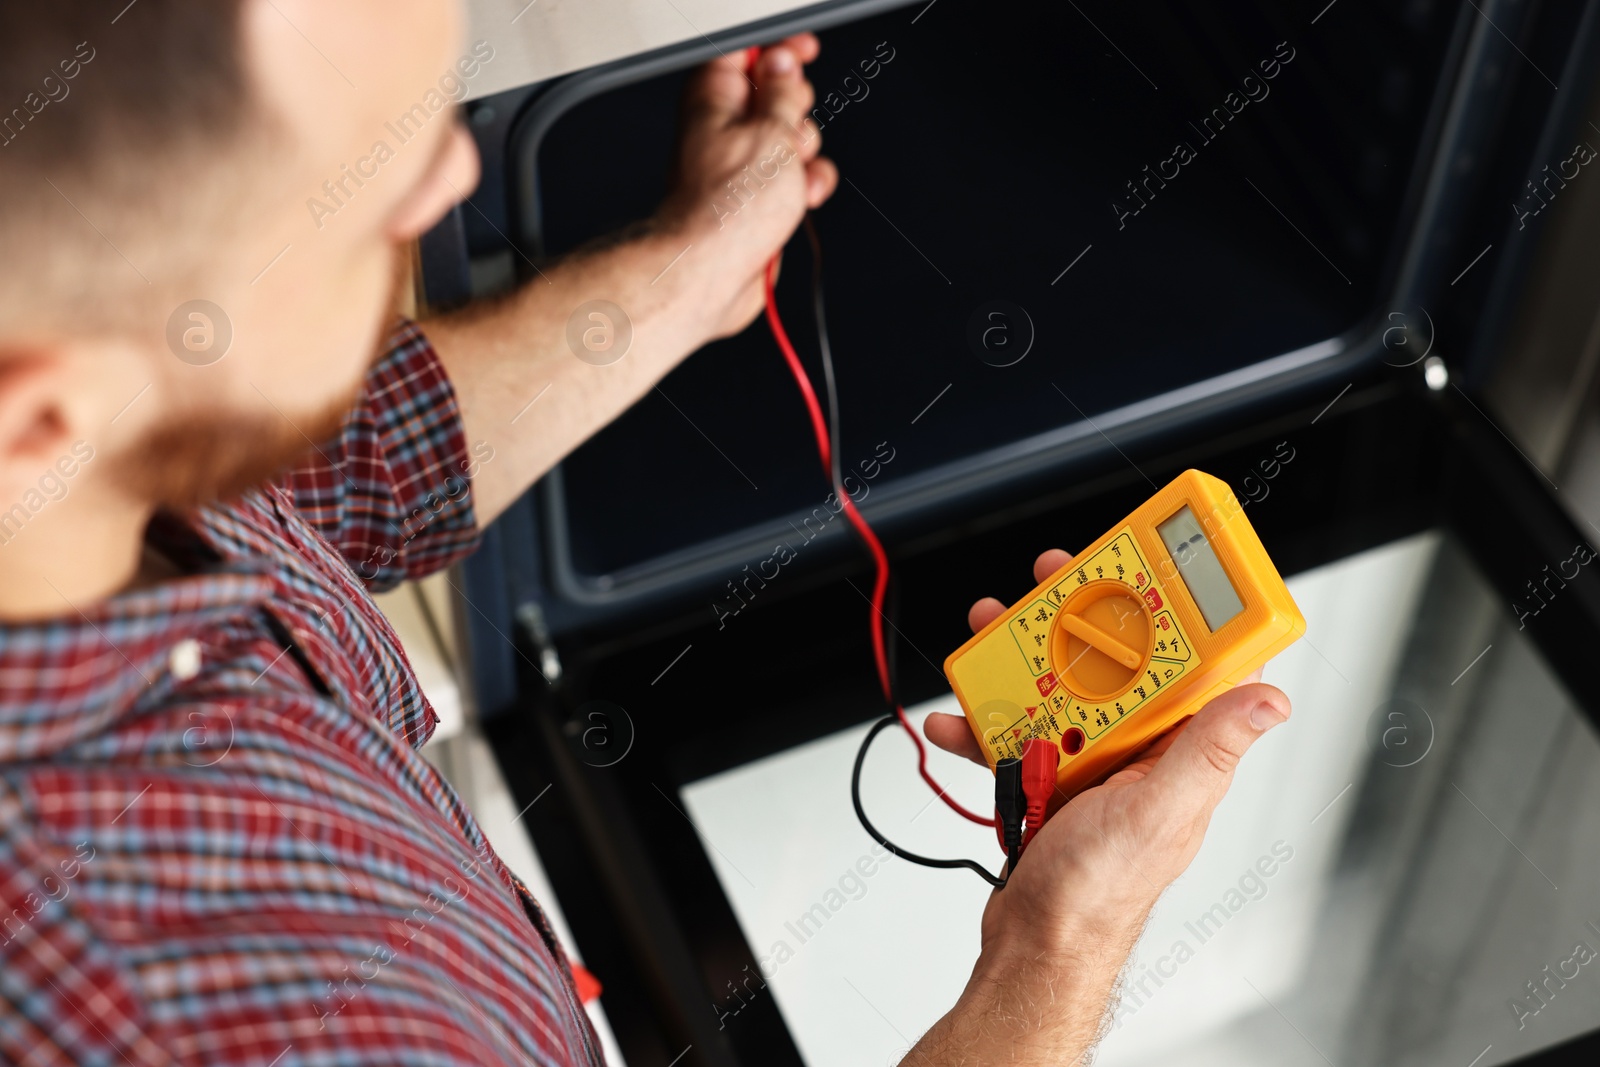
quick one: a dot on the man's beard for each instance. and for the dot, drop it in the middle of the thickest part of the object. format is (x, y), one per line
(193, 461)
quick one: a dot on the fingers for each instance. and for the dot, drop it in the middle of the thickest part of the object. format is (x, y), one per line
(810, 145)
(804, 45)
(1050, 561)
(718, 93)
(984, 612)
(1193, 773)
(989, 609)
(782, 91)
(951, 733)
(822, 178)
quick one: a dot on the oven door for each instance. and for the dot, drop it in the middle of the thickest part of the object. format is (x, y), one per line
(1405, 874)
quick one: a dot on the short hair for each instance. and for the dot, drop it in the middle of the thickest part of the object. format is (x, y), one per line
(108, 110)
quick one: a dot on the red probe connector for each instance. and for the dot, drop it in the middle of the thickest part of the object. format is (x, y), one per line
(1040, 760)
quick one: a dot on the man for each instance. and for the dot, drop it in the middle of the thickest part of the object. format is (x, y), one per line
(218, 843)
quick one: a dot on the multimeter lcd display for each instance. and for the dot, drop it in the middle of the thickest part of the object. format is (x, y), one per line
(1200, 569)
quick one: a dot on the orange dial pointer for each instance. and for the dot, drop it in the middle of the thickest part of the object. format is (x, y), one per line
(1085, 630)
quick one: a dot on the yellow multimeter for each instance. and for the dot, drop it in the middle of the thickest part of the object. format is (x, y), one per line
(1169, 609)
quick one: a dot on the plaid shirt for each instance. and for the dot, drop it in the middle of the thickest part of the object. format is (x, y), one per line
(218, 842)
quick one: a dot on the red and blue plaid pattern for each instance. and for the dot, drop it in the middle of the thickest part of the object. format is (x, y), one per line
(249, 862)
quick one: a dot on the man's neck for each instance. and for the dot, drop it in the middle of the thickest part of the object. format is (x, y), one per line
(72, 554)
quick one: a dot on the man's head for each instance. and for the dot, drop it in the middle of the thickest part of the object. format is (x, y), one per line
(181, 177)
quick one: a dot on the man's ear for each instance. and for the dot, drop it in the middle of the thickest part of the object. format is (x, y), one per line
(36, 415)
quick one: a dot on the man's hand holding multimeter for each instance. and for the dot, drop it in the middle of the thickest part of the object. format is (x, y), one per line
(1055, 939)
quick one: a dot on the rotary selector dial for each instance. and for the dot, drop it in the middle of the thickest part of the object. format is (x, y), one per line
(1100, 640)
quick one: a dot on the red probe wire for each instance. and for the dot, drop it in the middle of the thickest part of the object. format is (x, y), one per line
(880, 558)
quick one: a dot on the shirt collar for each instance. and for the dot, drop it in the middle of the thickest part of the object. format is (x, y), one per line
(67, 678)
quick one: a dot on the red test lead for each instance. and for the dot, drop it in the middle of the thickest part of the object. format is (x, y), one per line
(1040, 761)
(880, 558)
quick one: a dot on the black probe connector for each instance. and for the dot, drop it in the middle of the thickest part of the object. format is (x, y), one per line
(1010, 808)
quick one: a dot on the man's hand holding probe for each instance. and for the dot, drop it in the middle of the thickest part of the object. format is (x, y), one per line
(748, 167)
(1058, 935)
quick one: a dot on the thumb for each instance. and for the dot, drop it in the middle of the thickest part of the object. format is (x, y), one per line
(1194, 773)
